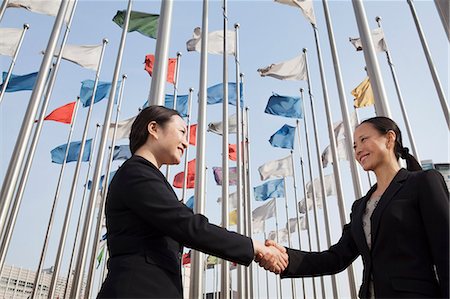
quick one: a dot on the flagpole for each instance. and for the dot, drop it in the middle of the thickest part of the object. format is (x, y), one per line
(3, 8)
(297, 214)
(442, 6)
(13, 61)
(376, 80)
(267, 272)
(434, 74)
(18, 153)
(400, 96)
(294, 293)
(311, 177)
(188, 133)
(277, 277)
(200, 180)
(101, 205)
(90, 209)
(357, 121)
(357, 187)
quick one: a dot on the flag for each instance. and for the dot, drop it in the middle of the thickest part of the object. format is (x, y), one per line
(190, 202)
(182, 103)
(49, 8)
(179, 178)
(292, 224)
(339, 130)
(363, 94)
(62, 114)
(144, 23)
(284, 137)
(232, 176)
(217, 127)
(215, 94)
(276, 168)
(341, 148)
(87, 89)
(215, 42)
(19, 83)
(306, 6)
(193, 134)
(186, 259)
(87, 56)
(74, 150)
(271, 189)
(102, 178)
(9, 41)
(100, 256)
(123, 129)
(258, 226)
(232, 218)
(282, 236)
(171, 66)
(293, 69)
(330, 189)
(232, 152)
(211, 261)
(284, 106)
(265, 211)
(121, 152)
(377, 38)
(232, 200)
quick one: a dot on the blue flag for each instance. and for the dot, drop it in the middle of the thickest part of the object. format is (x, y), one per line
(270, 189)
(18, 83)
(182, 103)
(215, 94)
(284, 106)
(103, 89)
(74, 151)
(284, 137)
(121, 152)
(190, 202)
(111, 175)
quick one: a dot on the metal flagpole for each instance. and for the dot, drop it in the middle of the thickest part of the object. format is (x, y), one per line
(156, 95)
(297, 214)
(357, 187)
(86, 182)
(443, 8)
(200, 180)
(313, 188)
(103, 269)
(188, 133)
(434, 74)
(8, 229)
(73, 188)
(278, 278)
(18, 153)
(293, 287)
(90, 208)
(101, 204)
(376, 80)
(400, 97)
(13, 62)
(267, 272)
(3, 8)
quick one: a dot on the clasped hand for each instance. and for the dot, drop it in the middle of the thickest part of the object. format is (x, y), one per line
(271, 256)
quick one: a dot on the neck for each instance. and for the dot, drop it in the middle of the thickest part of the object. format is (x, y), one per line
(148, 155)
(385, 174)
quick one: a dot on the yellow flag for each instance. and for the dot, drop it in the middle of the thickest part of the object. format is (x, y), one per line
(232, 217)
(363, 94)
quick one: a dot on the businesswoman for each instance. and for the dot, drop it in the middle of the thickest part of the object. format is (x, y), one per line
(400, 227)
(147, 225)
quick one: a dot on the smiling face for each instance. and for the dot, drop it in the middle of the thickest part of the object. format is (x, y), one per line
(373, 149)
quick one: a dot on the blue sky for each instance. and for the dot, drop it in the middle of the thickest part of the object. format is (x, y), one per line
(269, 33)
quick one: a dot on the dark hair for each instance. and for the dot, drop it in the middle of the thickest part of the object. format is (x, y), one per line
(139, 133)
(383, 125)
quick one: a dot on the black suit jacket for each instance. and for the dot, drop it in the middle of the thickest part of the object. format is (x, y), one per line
(147, 229)
(410, 241)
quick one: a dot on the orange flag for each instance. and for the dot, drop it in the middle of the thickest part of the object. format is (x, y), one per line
(150, 62)
(193, 134)
(232, 152)
(179, 178)
(62, 114)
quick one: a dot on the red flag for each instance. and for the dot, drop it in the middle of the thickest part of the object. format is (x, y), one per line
(232, 152)
(179, 178)
(62, 114)
(193, 134)
(150, 62)
(186, 258)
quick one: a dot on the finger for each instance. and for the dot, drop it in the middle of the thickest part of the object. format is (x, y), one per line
(270, 243)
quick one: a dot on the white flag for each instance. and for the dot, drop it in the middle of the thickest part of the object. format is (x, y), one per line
(293, 224)
(9, 41)
(282, 236)
(123, 129)
(215, 42)
(306, 7)
(217, 127)
(276, 169)
(87, 56)
(232, 201)
(294, 69)
(265, 211)
(341, 148)
(377, 38)
(258, 226)
(46, 7)
(330, 189)
(339, 130)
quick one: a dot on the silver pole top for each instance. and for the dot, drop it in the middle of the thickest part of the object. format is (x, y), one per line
(179, 54)
(377, 19)
(237, 25)
(191, 89)
(124, 76)
(305, 50)
(26, 26)
(105, 40)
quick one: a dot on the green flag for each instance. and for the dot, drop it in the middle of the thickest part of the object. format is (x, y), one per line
(144, 23)
(100, 256)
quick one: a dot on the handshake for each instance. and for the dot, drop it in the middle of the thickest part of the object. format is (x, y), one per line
(271, 256)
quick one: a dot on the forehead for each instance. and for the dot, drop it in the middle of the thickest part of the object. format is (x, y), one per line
(364, 128)
(177, 121)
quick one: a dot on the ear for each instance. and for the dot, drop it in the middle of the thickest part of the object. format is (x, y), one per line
(153, 129)
(391, 137)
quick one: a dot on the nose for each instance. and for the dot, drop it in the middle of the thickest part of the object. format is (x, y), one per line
(184, 143)
(357, 151)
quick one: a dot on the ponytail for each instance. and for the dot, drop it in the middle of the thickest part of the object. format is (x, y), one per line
(411, 162)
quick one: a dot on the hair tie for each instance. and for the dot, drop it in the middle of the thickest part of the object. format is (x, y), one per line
(404, 152)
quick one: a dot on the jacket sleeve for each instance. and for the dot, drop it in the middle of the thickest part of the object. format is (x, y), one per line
(434, 207)
(151, 198)
(331, 261)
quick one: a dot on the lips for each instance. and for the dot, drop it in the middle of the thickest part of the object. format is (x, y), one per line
(363, 158)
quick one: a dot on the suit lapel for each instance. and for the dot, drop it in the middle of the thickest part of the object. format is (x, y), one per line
(359, 213)
(385, 199)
